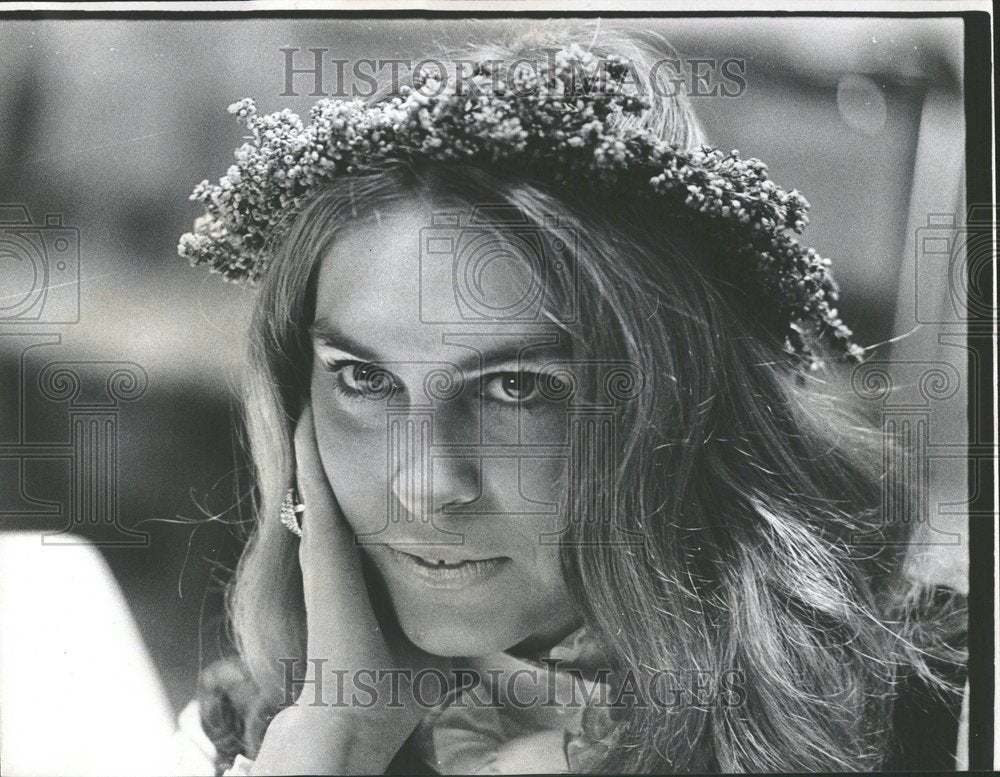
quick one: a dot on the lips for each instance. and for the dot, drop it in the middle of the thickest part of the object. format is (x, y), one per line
(451, 573)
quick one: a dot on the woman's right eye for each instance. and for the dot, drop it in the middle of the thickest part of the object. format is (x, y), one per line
(364, 380)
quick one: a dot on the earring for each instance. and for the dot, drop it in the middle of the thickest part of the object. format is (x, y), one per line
(290, 508)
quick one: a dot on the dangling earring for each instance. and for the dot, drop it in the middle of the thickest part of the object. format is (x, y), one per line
(290, 508)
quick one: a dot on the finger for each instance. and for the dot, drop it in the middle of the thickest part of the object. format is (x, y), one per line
(309, 473)
(327, 524)
(332, 579)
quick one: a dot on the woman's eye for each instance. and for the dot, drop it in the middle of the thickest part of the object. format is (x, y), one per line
(364, 379)
(512, 387)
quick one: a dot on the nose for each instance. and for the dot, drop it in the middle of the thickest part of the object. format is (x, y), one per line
(425, 482)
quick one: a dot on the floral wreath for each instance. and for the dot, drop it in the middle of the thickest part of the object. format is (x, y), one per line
(572, 119)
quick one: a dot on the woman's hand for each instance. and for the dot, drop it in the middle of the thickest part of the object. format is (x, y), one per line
(345, 637)
(342, 626)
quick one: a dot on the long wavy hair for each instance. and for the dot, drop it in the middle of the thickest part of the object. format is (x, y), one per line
(757, 496)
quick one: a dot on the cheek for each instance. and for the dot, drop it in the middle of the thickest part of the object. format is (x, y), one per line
(353, 456)
(532, 492)
(532, 487)
(524, 503)
(543, 601)
(531, 496)
(552, 589)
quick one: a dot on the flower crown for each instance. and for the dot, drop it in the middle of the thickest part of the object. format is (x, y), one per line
(576, 120)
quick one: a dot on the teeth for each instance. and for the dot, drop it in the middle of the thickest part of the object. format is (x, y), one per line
(440, 563)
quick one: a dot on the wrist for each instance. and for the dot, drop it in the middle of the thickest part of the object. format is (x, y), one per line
(324, 740)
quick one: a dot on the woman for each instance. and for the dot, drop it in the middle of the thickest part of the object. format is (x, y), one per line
(534, 406)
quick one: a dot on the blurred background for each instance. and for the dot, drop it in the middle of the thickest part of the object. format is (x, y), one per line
(107, 125)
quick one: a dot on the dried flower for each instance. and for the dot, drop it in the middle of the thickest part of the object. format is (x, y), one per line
(566, 117)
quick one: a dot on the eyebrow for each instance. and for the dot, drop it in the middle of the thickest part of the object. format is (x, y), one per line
(322, 331)
(325, 333)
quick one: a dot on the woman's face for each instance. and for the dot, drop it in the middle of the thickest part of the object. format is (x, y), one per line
(439, 437)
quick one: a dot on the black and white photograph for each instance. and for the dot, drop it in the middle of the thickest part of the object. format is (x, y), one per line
(497, 388)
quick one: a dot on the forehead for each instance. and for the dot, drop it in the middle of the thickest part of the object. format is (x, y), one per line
(407, 281)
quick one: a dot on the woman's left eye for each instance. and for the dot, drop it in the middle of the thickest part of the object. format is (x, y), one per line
(512, 387)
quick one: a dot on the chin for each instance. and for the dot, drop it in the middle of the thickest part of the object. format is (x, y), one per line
(441, 638)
